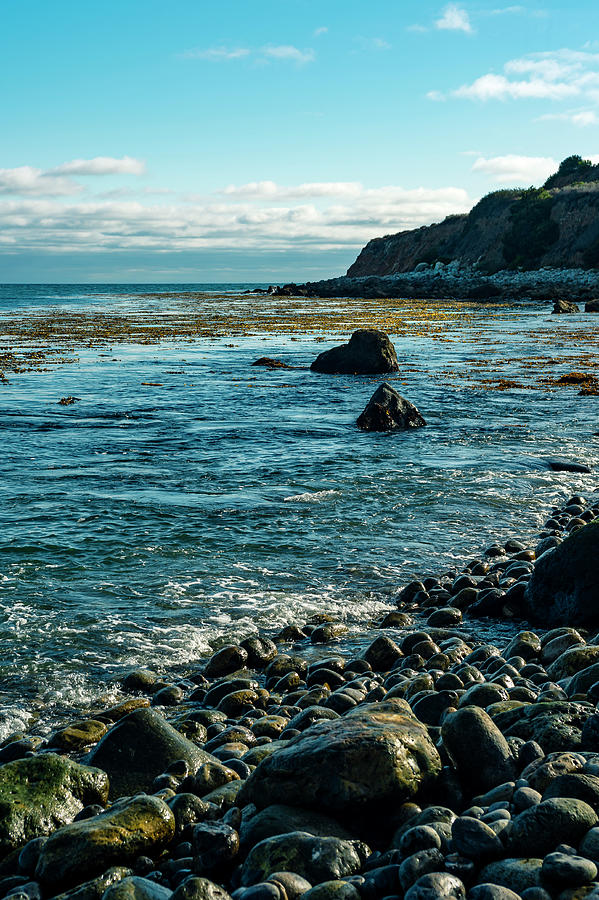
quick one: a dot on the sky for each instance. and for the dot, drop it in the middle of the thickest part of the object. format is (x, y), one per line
(269, 140)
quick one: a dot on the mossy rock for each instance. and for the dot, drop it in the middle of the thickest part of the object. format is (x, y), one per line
(142, 826)
(39, 794)
(316, 859)
(78, 735)
(377, 753)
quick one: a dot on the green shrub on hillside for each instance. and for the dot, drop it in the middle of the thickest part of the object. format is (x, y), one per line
(532, 230)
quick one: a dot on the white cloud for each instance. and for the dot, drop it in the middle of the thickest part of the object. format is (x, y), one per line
(261, 215)
(581, 118)
(101, 165)
(550, 75)
(217, 54)
(454, 18)
(508, 10)
(288, 52)
(36, 182)
(318, 32)
(510, 169)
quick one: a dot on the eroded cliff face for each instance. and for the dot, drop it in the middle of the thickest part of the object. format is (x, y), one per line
(525, 229)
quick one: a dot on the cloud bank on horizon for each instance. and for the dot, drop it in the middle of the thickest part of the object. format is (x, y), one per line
(297, 134)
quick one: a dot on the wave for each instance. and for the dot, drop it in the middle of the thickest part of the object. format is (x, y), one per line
(312, 497)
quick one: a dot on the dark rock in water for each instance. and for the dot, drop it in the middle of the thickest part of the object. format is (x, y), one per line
(565, 465)
(368, 352)
(141, 826)
(140, 747)
(376, 753)
(469, 734)
(564, 588)
(316, 859)
(269, 363)
(281, 819)
(389, 411)
(592, 306)
(41, 793)
(564, 307)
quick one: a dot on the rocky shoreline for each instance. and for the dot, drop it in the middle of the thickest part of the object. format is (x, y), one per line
(456, 281)
(433, 764)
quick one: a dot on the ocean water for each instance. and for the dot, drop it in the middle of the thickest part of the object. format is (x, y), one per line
(187, 499)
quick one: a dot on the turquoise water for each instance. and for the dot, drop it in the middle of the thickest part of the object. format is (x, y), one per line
(145, 525)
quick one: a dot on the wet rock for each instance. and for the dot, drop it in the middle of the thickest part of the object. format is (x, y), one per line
(382, 654)
(140, 747)
(437, 886)
(260, 651)
(78, 735)
(269, 363)
(566, 465)
(214, 843)
(516, 874)
(142, 680)
(555, 726)
(540, 829)
(387, 410)
(280, 819)
(375, 753)
(563, 589)
(333, 890)
(94, 889)
(368, 352)
(573, 661)
(475, 839)
(565, 870)
(194, 888)
(471, 731)
(316, 859)
(564, 307)
(143, 825)
(136, 888)
(41, 793)
(227, 660)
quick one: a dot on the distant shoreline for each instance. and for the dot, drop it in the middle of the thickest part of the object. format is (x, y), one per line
(457, 282)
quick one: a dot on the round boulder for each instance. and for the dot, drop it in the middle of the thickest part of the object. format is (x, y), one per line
(368, 352)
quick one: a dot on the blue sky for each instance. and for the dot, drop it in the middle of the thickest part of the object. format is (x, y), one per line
(268, 141)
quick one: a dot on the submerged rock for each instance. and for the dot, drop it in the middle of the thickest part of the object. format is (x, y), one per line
(564, 588)
(376, 753)
(368, 352)
(41, 793)
(269, 363)
(564, 306)
(566, 465)
(387, 410)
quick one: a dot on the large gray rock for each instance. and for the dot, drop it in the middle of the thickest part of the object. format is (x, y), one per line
(368, 352)
(316, 859)
(41, 793)
(140, 747)
(469, 735)
(377, 753)
(539, 829)
(564, 588)
(387, 410)
(138, 827)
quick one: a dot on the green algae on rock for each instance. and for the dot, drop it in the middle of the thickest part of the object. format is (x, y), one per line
(375, 753)
(120, 835)
(39, 794)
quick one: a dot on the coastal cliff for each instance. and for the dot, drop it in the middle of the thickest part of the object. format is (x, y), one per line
(555, 226)
(528, 243)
